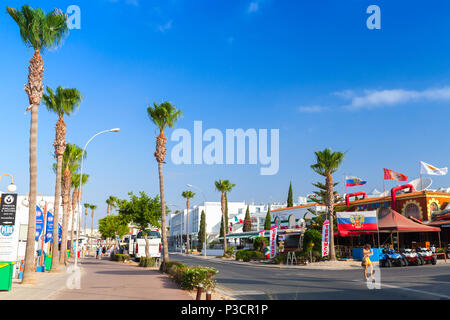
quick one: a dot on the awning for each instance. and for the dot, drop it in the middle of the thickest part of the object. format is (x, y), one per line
(394, 221)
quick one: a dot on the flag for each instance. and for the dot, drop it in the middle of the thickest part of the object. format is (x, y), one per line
(392, 175)
(325, 238)
(353, 181)
(357, 221)
(426, 168)
(273, 241)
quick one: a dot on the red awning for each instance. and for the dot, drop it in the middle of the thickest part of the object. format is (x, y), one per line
(394, 221)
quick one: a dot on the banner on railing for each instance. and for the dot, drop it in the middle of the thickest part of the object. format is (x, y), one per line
(273, 241)
(325, 238)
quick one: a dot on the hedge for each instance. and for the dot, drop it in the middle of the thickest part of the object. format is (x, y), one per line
(247, 255)
(190, 277)
(146, 262)
(119, 257)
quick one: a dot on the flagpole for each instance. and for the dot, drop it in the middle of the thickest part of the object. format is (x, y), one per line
(383, 182)
(420, 170)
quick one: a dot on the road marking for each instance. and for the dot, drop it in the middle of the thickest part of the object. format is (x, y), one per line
(249, 292)
(410, 289)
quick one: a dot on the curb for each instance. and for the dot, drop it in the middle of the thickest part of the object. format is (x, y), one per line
(276, 266)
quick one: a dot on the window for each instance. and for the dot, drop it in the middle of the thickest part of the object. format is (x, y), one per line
(412, 210)
(240, 211)
(151, 234)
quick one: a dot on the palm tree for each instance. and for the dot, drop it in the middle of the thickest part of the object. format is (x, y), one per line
(111, 203)
(224, 186)
(76, 194)
(328, 163)
(40, 31)
(188, 195)
(92, 207)
(163, 115)
(71, 161)
(63, 103)
(86, 206)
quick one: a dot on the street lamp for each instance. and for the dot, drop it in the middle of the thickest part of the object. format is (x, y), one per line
(79, 187)
(11, 187)
(204, 198)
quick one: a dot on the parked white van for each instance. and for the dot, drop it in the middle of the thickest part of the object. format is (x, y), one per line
(154, 241)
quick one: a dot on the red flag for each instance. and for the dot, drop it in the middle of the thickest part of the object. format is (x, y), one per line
(392, 175)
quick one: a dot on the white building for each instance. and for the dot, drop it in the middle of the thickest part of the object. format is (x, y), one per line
(213, 212)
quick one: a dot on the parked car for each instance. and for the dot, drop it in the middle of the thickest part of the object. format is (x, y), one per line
(154, 239)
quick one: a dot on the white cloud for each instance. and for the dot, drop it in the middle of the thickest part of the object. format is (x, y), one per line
(253, 7)
(312, 109)
(167, 26)
(384, 98)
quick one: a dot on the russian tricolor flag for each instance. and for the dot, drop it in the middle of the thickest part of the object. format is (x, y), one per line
(354, 181)
(357, 221)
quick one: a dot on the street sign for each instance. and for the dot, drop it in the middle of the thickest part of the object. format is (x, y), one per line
(8, 207)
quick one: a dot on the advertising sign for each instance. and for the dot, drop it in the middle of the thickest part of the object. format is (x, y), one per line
(9, 239)
(273, 241)
(325, 238)
(49, 227)
(39, 222)
(8, 207)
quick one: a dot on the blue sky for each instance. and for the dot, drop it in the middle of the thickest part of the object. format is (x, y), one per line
(309, 68)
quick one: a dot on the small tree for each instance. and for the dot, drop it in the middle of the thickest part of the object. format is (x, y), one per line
(142, 211)
(202, 230)
(290, 200)
(268, 222)
(113, 227)
(247, 222)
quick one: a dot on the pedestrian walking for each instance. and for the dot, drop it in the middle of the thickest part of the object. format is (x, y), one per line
(367, 253)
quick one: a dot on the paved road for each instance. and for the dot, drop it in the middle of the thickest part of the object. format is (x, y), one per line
(108, 280)
(261, 282)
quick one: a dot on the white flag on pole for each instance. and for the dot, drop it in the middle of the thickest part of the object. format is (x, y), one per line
(426, 168)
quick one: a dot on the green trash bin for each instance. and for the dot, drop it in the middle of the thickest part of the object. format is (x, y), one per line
(68, 253)
(48, 262)
(6, 275)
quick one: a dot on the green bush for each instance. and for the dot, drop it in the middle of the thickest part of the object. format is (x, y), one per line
(190, 277)
(193, 276)
(229, 252)
(247, 255)
(258, 243)
(119, 257)
(147, 262)
(310, 237)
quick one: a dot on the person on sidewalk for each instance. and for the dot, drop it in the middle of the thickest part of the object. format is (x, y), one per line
(367, 253)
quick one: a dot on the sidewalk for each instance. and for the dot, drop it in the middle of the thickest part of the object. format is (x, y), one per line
(110, 280)
(47, 285)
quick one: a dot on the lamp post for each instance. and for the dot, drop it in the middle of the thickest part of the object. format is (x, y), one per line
(11, 187)
(79, 187)
(204, 199)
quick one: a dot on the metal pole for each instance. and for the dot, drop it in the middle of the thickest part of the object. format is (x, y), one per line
(79, 186)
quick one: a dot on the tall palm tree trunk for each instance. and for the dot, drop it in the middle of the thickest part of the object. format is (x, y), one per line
(163, 213)
(92, 226)
(34, 89)
(55, 243)
(85, 219)
(222, 200)
(330, 209)
(66, 213)
(72, 231)
(60, 146)
(188, 246)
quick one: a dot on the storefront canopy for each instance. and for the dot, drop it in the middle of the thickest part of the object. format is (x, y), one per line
(394, 221)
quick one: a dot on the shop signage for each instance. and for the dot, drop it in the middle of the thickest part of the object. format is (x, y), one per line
(8, 207)
(374, 206)
(9, 240)
(325, 238)
(273, 241)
